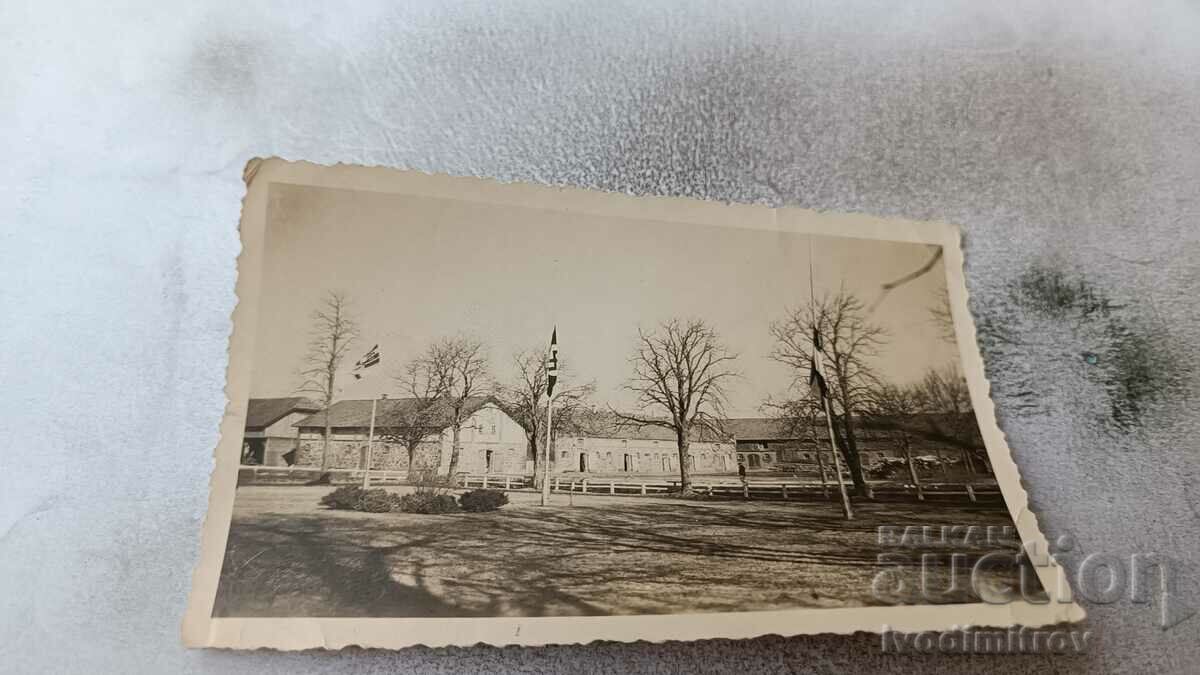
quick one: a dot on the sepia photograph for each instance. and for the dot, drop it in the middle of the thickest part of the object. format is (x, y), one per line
(468, 400)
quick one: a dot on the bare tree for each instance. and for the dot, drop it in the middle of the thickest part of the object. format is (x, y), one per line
(415, 419)
(800, 417)
(943, 393)
(944, 390)
(851, 342)
(896, 407)
(456, 370)
(524, 398)
(333, 331)
(941, 315)
(680, 370)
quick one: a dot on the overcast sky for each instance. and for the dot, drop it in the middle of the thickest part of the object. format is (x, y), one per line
(418, 268)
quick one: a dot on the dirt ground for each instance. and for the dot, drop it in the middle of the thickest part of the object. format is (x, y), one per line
(582, 555)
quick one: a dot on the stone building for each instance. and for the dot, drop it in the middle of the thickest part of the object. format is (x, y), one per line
(604, 446)
(490, 441)
(270, 436)
(766, 444)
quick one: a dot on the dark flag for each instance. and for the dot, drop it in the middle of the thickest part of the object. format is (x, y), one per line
(369, 359)
(552, 363)
(816, 377)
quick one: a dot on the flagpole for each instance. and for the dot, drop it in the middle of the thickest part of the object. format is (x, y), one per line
(837, 461)
(822, 390)
(370, 441)
(548, 453)
(551, 379)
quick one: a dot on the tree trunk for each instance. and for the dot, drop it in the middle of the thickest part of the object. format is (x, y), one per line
(685, 472)
(412, 460)
(853, 461)
(325, 442)
(455, 449)
(912, 469)
(536, 453)
(968, 464)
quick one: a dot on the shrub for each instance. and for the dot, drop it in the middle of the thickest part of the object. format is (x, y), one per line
(886, 468)
(347, 497)
(478, 501)
(427, 502)
(378, 501)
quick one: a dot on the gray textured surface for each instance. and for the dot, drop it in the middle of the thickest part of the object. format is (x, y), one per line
(1062, 138)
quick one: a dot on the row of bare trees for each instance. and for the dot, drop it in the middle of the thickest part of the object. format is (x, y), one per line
(681, 374)
(439, 386)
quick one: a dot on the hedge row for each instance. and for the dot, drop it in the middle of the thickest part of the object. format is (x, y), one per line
(354, 498)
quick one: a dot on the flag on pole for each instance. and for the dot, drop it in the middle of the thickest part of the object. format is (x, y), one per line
(816, 377)
(369, 359)
(552, 363)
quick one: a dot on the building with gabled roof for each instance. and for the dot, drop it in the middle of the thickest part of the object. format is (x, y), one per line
(490, 440)
(602, 443)
(765, 443)
(270, 434)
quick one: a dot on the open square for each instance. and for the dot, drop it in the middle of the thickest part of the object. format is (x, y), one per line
(582, 555)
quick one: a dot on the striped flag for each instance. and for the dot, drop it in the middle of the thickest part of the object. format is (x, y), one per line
(816, 377)
(552, 363)
(369, 359)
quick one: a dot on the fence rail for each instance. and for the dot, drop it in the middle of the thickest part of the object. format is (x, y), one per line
(751, 489)
(252, 474)
(777, 490)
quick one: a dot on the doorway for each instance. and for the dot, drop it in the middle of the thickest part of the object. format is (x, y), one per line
(254, 451)
(583, 462)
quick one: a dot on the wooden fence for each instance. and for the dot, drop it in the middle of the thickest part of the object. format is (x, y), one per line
(770, 490)
(301, 475)
(728, 489)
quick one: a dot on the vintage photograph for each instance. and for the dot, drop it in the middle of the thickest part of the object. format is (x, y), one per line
(466, 400)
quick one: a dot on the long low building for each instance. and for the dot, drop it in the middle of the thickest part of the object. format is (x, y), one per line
(492, 442)
(607, 446)
(768, 444)
(290, 431)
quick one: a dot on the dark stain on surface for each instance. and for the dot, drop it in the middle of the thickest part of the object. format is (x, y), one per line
(1132, 358)
(225, 67)
(1050, 292)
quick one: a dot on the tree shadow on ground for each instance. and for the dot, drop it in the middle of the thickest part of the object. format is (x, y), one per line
(560, 561)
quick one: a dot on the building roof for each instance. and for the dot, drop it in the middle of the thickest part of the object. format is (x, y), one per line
(357, 413)
(605, 424)
(263, 412)
(932, 426)
(758, 429)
